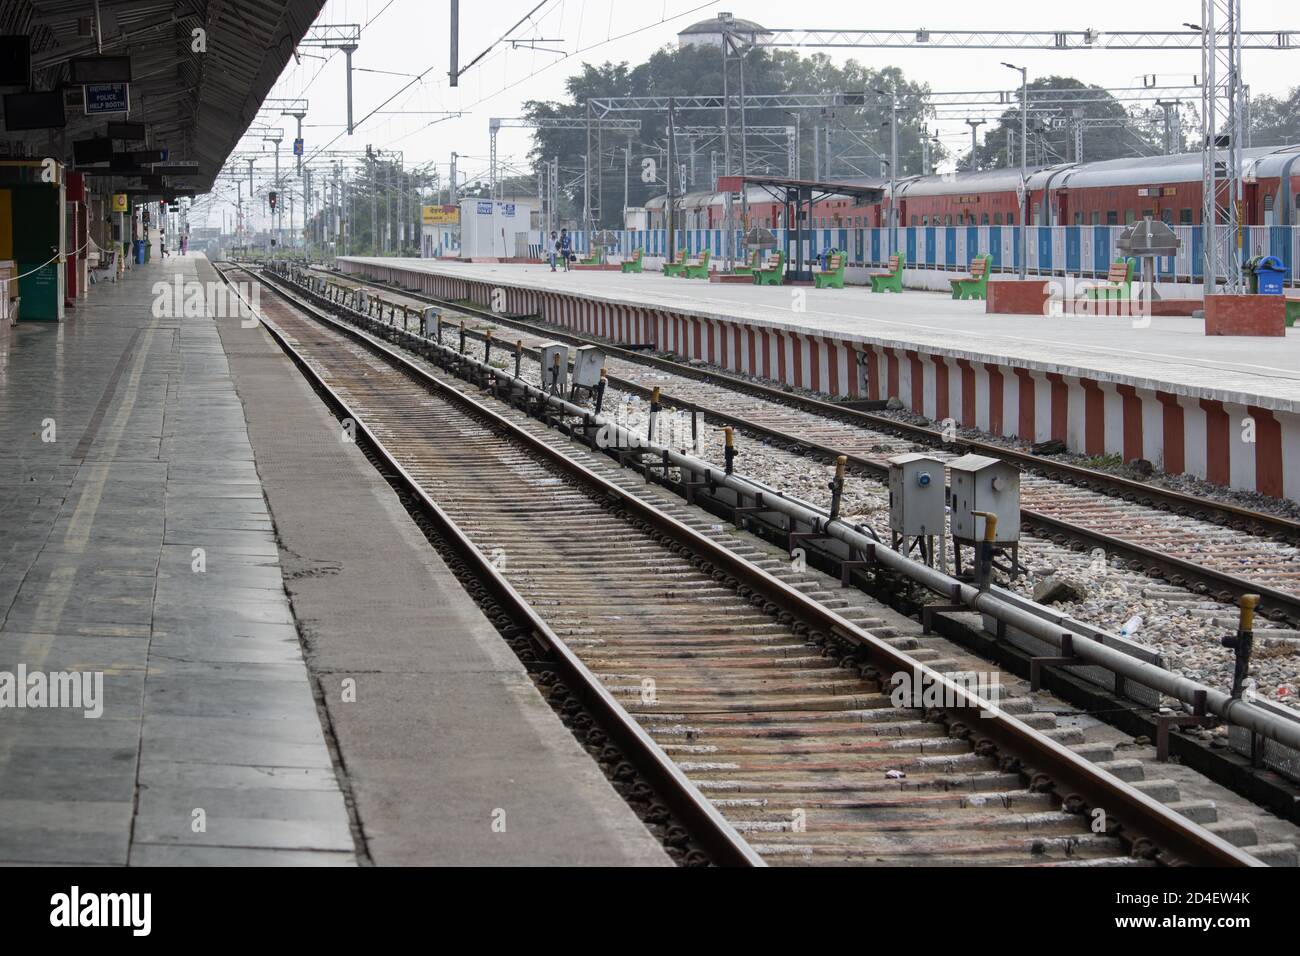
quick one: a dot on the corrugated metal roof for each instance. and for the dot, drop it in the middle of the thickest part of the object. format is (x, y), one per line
(197, 105)
(1131, 171)
(1143, 170)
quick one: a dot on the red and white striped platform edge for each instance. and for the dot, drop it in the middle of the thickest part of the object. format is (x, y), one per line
(1251, 443)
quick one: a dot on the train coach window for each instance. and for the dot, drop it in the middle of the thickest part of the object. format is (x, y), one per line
(984, 219)
(1112, 218)
(947, 220)
(915, 219)
(1167, 216)
(1184, 217)
(1096, 217)
(997, 219)
(1130, 217)
(1011, 219)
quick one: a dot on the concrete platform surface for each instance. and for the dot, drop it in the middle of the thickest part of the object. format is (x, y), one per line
(138, 552)
(1169, 354)
(447, 740)
(137, 555)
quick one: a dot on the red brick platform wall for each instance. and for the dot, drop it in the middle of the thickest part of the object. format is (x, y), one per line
(1245, 315)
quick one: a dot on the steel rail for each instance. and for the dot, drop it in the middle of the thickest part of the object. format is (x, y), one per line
(1178, 502)
(1234, 710)
(1220, 584)
(706, 824)
(1150, 828)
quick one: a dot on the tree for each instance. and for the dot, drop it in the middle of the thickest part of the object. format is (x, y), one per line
(1275, 121)
(859, 140)
(1109, 130)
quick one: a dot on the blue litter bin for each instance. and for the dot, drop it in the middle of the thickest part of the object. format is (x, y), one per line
(1271, 274)
(139, 251)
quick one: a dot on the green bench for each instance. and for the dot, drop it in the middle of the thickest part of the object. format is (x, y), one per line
(675, 267)
(832, 277)
(591, 260)
(1119, 282)
(697, 268)
(751, 267)
(891, 281)
(976, 285)
(773, 273)
(633, 264)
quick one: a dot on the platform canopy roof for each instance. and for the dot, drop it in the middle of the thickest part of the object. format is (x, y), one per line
(196, 105)
(794, 190)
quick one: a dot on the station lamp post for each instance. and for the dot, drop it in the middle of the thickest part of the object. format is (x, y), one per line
(893, 166)
(1024, 164)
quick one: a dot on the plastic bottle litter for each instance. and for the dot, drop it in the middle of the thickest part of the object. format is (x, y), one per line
(1131, 626)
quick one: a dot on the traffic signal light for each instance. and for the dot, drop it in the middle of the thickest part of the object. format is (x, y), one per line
(271, 197)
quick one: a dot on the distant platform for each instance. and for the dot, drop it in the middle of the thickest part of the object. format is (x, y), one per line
(1156, 388)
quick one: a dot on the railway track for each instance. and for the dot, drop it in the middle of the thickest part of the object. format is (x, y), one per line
(772, 698)
(1213, 548)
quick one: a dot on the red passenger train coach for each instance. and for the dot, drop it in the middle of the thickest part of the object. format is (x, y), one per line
(1111, 192)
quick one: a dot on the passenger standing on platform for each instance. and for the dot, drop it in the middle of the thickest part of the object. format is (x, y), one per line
(162, 242)
(566, 247)
(554, 248)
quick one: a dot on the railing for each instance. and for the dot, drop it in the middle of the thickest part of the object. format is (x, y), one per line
(1053, 250)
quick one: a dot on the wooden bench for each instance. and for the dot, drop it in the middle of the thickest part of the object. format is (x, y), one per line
(832, 277)
(633, 264)
(1118, 284)
(976, 285)
(773, 273)
(891, 281)
(675, 267)
(749, 269)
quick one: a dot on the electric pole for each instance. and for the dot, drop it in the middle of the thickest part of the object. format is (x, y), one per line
(974, 125)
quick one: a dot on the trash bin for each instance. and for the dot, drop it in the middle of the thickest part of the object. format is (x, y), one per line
(1248, 273)
(1270, 274)
(139, 251)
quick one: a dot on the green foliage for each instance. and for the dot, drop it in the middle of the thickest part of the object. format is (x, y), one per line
(380, 194)
(1051, 129)
(860, 134)
(1275, 121)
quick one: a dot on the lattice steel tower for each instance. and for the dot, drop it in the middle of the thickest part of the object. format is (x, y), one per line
(1222, 106)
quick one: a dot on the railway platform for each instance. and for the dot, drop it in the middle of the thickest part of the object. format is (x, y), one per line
(258, 657)
(1226, 409)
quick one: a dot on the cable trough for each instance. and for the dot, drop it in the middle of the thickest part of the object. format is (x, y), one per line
(764, 696)
(1212, 547)
(1201, 541)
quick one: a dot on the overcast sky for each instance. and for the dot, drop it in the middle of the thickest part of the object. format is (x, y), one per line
(411, 37)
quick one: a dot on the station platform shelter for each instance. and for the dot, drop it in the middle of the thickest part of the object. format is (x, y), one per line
(1222, 408)
(222, 638)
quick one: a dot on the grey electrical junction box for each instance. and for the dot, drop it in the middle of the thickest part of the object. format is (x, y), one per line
(916, 495)
(429, 317)
(987, 484)
(548, 352)
(587, 363)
